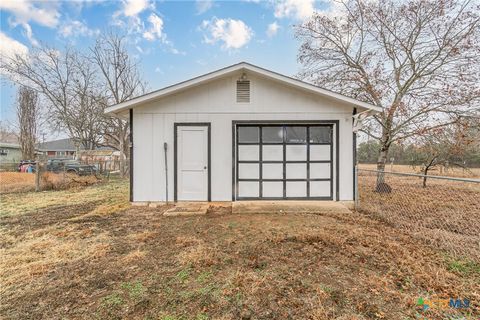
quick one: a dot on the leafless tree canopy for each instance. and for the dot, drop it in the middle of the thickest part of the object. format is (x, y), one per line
(27, 110)
(419, 60)
(122, 82)
(78, 87)
(67, 81)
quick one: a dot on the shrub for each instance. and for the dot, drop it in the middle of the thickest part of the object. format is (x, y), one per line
(60, 181)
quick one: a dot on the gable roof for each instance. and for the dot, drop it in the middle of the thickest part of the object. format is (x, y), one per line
(58, 145)
(66, 144)
(242, 66)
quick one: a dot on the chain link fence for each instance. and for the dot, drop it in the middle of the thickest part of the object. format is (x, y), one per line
(53, 174)
(439, 211)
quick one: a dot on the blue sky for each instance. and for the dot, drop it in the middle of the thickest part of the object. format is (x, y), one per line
(172, 40)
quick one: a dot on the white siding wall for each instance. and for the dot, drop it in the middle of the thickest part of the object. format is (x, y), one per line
(215, 103)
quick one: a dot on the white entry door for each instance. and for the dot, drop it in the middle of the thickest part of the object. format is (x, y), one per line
(192, 163)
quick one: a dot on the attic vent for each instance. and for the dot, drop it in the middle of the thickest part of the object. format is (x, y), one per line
(243, 90)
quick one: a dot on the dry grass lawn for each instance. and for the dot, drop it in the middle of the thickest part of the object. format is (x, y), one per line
(445, 214)
(16, 182)
(85, 254)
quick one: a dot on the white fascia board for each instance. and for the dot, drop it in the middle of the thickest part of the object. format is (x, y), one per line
(115, 109)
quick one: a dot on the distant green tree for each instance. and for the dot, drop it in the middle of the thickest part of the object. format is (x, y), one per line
(367, 152)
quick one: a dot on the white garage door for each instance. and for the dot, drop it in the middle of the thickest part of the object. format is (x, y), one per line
(278, 161)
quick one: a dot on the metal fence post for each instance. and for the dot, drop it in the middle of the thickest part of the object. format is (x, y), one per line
(37, 175)
(357, 201)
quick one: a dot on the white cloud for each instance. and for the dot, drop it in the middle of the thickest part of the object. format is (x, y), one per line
(131, 21)
(75, 28)
(174, 50)
(133, 7)
(299, 9)
(233, 33)
(29, 34)
(156, 28)
(24, 11)
(10, 47)
(272, 29)
(203, 6)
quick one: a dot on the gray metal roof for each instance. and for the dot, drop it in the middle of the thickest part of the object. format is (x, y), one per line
(64, 145)
(9, 145)
(59, 145)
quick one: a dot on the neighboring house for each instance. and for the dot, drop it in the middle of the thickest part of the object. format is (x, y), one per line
(242, 133)
(63, 148)
(10, 153)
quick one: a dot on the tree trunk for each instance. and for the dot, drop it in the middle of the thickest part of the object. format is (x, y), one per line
(382, 159)
(425, 172)
(427, 167)
(122, 158)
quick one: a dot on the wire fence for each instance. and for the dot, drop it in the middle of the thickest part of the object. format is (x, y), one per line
(440, 211)
(53, 174)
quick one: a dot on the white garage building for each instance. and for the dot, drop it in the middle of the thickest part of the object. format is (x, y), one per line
(242, 133)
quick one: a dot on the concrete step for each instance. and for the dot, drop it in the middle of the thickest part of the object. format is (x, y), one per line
(186, 209)
(289, 207)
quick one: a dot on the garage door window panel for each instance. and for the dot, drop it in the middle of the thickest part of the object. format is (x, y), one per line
(272, 135)
(320, 152)
(320, 135)
(272, 170)
(248, 171)
(272, 189)
(296, 135)
(272, 153)
(296, 189)
(296, 152)
(296, 170)
(320, 170)
(248, 153)
(248, 189)
(248, 135)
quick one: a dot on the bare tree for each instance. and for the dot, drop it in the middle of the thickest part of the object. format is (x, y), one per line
(67, 82)
(122, 81)
(27, 110)
(418, 60)
(8, 134)
(445, 146)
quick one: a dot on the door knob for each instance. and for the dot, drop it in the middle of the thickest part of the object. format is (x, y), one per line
(205, 167)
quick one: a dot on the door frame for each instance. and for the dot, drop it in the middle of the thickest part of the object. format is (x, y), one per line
(209, 151)
(335, 144)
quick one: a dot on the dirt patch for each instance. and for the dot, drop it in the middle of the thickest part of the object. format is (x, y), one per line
(137, 264)
(36, 220)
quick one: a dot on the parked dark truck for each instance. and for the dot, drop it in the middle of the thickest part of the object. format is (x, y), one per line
(70, 166)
